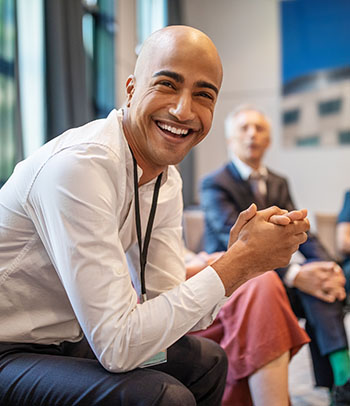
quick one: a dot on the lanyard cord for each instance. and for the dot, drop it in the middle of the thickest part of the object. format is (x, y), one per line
(143, 251)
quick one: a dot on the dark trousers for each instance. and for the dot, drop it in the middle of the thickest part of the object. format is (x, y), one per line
(325, 326)
(70, 375)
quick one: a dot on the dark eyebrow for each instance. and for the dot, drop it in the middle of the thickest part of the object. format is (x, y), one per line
(176, 76)
(208, 85)
(180, 79)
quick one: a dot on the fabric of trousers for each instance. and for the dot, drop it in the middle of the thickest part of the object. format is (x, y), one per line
(325, 326)
(70, 375)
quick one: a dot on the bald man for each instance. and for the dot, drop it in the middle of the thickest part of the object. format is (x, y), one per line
(94, 306)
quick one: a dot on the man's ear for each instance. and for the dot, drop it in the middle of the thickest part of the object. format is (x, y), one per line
(130, 88)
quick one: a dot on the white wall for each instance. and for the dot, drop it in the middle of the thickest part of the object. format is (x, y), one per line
(246, 33)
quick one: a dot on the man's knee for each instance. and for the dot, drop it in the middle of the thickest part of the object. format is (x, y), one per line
(219, 357)
(216, 362)
(175, 395)
(210, 355)
(150, 388)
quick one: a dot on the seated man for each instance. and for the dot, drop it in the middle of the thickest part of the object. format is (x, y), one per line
(73, 331)
(259, 333)
(316, 288)
(343, 237)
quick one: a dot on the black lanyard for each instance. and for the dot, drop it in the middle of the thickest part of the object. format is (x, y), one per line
(143, 251)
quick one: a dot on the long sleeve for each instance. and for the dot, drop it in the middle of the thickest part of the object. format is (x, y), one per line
(344, 215)
(79, 207)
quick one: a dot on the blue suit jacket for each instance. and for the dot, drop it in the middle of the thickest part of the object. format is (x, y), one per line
(224, 194)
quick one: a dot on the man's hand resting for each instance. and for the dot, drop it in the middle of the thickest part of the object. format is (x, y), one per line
(260, 241)
(322, 279)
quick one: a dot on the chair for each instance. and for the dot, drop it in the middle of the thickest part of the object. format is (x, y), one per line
(193, 226)
(326, 224)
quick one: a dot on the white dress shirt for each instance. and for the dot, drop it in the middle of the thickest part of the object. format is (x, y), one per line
(66, 228)
(246, 172)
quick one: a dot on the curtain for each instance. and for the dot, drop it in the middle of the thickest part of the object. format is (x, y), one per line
(10, 140)
(103, 61)
(68, 104)
(174, 12)
(79, 62)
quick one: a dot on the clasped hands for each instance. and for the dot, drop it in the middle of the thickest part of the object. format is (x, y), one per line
(322, 279)
(260, 241)
(273, 215)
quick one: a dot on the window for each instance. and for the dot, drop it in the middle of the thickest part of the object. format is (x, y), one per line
(30, 29)
(291, 116)
(151, 16)
(328, 107)
(308, 141)
(344, 137)
(99, 27)
(49, 71)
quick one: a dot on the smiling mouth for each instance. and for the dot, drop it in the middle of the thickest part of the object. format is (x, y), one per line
(174, 131)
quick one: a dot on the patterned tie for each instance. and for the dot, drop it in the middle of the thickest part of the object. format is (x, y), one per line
(258, 186)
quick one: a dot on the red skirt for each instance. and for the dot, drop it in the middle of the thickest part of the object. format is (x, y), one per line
(255, 326)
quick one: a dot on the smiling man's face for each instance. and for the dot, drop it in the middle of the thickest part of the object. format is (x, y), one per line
(171, 96)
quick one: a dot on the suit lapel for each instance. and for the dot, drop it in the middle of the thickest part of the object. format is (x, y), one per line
(272, 190)
(240, 189)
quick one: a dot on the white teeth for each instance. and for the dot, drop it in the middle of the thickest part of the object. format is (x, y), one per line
(174, 130)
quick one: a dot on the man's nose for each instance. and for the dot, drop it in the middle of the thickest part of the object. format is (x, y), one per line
(251, 130)
(182, 108)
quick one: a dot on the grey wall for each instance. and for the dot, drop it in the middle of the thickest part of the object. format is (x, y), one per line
(246, 33)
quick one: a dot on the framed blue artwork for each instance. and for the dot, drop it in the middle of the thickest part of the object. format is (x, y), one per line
(315, 49)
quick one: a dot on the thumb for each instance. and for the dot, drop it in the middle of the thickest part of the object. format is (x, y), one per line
(241, 221)
(325, 296)
(247, 214)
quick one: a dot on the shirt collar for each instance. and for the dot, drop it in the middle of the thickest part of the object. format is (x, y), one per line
(245, 170)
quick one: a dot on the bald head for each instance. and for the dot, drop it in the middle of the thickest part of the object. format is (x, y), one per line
(181, 40)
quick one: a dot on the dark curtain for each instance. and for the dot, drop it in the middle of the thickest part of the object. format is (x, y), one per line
(10, 130)
(174, 12)
(103, 63)
(68, 104)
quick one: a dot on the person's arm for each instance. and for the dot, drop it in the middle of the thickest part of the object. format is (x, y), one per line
(318, 276)
(165, 264)
(76, 203)
(343, 227)
(298, 275)
(343, 237)
(322, 279)
(220, 211)
(197, 262)
(258, 244)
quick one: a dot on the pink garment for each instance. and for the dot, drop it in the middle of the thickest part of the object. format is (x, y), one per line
(254, 327)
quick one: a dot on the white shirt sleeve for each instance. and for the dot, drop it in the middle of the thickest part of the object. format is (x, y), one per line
(291, 274)
(74, 204)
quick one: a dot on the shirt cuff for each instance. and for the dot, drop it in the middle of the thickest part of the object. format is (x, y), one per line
(290, 275)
